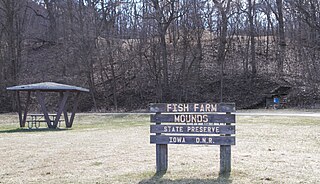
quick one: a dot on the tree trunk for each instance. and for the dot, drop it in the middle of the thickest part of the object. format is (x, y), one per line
(164, 17)
(252, 37)
(52, 31)
(164, 54)
(281, 39)
(222, 40)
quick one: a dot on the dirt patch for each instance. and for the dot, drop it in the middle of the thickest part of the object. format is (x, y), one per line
(268, 150)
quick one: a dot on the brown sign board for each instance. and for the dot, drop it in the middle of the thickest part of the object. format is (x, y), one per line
(193, 129)
(210, 140)
(193, 118)
(191, 123)
(192, 107)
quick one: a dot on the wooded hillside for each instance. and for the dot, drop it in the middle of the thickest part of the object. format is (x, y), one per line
(133, 52)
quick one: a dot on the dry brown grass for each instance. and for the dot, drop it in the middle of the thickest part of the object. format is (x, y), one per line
(116, 149)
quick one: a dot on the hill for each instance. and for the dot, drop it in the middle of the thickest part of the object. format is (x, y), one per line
(128, 62)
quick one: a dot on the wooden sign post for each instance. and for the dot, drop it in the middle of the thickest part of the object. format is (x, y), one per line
(193, 123)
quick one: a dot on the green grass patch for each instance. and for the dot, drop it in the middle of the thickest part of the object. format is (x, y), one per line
(96, 163)
(114, 121)
(16, 130)
(9, 123)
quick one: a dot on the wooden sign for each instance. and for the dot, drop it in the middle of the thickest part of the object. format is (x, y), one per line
(193, 123)
(193, 129)
(210, 140)
(192, 107)
(193, 118)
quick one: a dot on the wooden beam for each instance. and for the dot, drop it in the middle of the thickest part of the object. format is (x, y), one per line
(74, 109)
(66, 118)
(192, 107)
(61, 107)
(65, 113)
(26, 109)
(225, 157)
(161, 151)
(162, 157)
(192, 129)
(41, 100)
(193, 118)
(19, 109)
(184, 139)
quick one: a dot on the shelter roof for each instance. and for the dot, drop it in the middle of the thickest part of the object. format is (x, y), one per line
(47, 86)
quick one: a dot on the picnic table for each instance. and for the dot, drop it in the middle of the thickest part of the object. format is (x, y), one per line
(34, 120)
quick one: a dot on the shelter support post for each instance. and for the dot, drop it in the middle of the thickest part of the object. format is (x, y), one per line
(26, 109)
(23, 117)
(19, 109)
(61, 107)
(74, 109)
(65, 113)
(40, 98)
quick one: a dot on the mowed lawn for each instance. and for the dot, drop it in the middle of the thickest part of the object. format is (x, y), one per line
(116, 149)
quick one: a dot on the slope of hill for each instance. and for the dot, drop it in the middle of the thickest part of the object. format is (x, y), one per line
(64, 62)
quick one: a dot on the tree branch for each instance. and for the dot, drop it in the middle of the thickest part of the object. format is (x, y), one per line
(37, 13)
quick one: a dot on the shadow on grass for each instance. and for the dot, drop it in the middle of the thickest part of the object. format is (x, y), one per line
(157, 178)
(33, 130)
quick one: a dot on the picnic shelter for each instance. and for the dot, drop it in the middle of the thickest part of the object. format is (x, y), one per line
(39, 89)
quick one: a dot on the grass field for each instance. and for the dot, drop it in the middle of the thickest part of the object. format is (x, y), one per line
(116, 149)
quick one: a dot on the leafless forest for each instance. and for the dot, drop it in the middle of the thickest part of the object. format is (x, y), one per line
(132, 52)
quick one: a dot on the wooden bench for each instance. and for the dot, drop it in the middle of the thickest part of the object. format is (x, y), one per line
(34, 120)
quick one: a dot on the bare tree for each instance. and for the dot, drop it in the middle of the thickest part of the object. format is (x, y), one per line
(11, 35)
(165, 13)
(282, 40)
(251, 15)
(223, 8)
(52, 30)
